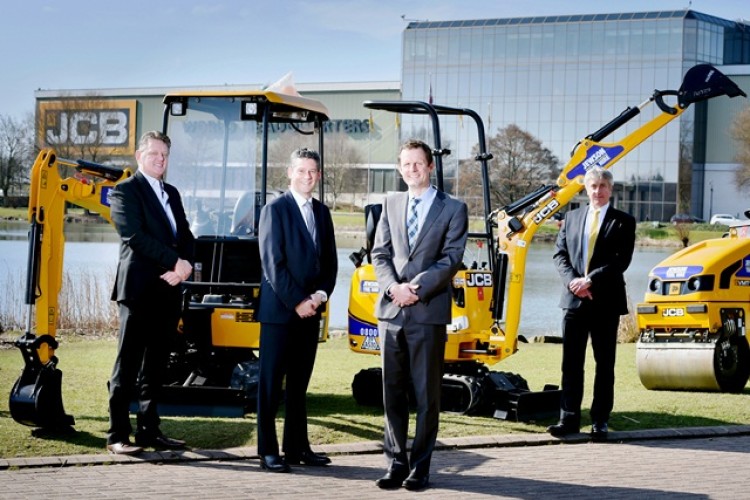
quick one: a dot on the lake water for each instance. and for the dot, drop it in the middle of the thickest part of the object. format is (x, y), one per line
(539, 315)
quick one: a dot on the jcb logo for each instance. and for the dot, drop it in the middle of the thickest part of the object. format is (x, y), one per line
(479, 279)
(673, 312)
(107, 126)
(546, 210)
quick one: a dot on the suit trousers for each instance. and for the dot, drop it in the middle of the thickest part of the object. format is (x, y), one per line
(147, 332)
(411, 353)
(601, 324)
(286, 350)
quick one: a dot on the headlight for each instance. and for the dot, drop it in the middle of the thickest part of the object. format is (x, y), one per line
(654, 285)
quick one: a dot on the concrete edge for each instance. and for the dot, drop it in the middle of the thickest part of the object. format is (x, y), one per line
(370, 447)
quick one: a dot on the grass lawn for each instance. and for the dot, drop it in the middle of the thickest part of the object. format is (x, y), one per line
(334, 417)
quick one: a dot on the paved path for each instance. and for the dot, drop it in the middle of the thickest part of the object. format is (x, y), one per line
(711, 462)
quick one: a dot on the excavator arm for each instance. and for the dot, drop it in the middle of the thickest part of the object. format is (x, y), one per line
(518, 222)
(36, 398)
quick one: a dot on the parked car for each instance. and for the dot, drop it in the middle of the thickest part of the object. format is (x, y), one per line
(685, 219)
(724, 219)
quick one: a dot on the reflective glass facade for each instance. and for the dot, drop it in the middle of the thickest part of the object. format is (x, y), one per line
(562, 77)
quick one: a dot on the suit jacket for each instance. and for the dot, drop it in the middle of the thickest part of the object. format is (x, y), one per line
(613, 252)
(436, 256)
(148, 247)
(293, 266)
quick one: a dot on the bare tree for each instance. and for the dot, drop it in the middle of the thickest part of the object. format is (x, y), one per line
(16, 154)
(741, 134)
(340, 173)
(520, 165)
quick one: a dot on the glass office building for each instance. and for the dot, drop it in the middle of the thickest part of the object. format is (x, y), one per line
(561, 78)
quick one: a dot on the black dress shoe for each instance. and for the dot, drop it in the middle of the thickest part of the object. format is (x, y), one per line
(273, 463)
(160, 442)
(394, 478)
(416, 481)
(307, 458)
(561, 429)
(599, 431)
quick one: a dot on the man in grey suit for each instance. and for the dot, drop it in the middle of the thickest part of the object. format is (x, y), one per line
(593, 250)
(419, 246)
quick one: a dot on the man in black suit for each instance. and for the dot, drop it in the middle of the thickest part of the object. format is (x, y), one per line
(298, 256)
(419, 246)
(593, 250)
(156, 246)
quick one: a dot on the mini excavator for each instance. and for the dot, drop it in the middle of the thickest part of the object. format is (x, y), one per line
(488, 291)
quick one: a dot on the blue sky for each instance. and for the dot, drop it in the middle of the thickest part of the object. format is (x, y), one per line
(87, 44)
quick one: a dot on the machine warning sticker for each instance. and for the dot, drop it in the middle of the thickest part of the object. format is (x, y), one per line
(595, 157)
(676, 272)
(371, 344)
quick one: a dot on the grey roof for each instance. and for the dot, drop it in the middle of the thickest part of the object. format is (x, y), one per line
(573, 18)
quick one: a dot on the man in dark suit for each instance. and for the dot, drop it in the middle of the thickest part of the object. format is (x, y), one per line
(156, 246)
(594, 248)
(298, 256)
(419, 246)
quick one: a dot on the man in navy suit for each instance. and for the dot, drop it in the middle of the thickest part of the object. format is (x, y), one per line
(594, 248)
(419, 246)
(298, 256)
(156, 247)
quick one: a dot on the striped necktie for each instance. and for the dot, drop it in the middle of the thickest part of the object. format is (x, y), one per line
(412, 223)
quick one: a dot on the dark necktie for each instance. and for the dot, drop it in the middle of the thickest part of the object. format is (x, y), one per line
(164, 199)
(412, 222)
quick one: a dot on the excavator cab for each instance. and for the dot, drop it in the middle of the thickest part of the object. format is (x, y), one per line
(475, 339)
(230, 151)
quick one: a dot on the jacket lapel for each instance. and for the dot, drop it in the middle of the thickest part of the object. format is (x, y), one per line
(435, 209)
(148, 194)
(299, 220)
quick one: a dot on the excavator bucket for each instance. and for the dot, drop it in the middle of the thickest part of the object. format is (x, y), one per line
(703, 82)
(512, 399)
(36, 397)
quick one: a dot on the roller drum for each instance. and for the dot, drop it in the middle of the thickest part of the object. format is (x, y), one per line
(676, 366)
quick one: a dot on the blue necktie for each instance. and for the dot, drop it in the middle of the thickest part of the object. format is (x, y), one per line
(309, 219)
(412, 223)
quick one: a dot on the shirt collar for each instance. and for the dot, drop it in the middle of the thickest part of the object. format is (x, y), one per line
(156, 184)
(602, 210)
(428, 195)
(301, 200)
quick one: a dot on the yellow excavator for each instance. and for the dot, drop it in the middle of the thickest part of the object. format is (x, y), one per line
(220, 162)
(693, 320)
(488, 292)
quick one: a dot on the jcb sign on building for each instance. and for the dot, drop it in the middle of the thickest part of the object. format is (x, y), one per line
(105, 125)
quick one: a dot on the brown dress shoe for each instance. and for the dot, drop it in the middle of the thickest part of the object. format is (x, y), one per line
(123, 448)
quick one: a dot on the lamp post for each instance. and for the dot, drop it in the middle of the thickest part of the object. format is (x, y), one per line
(711, 199)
